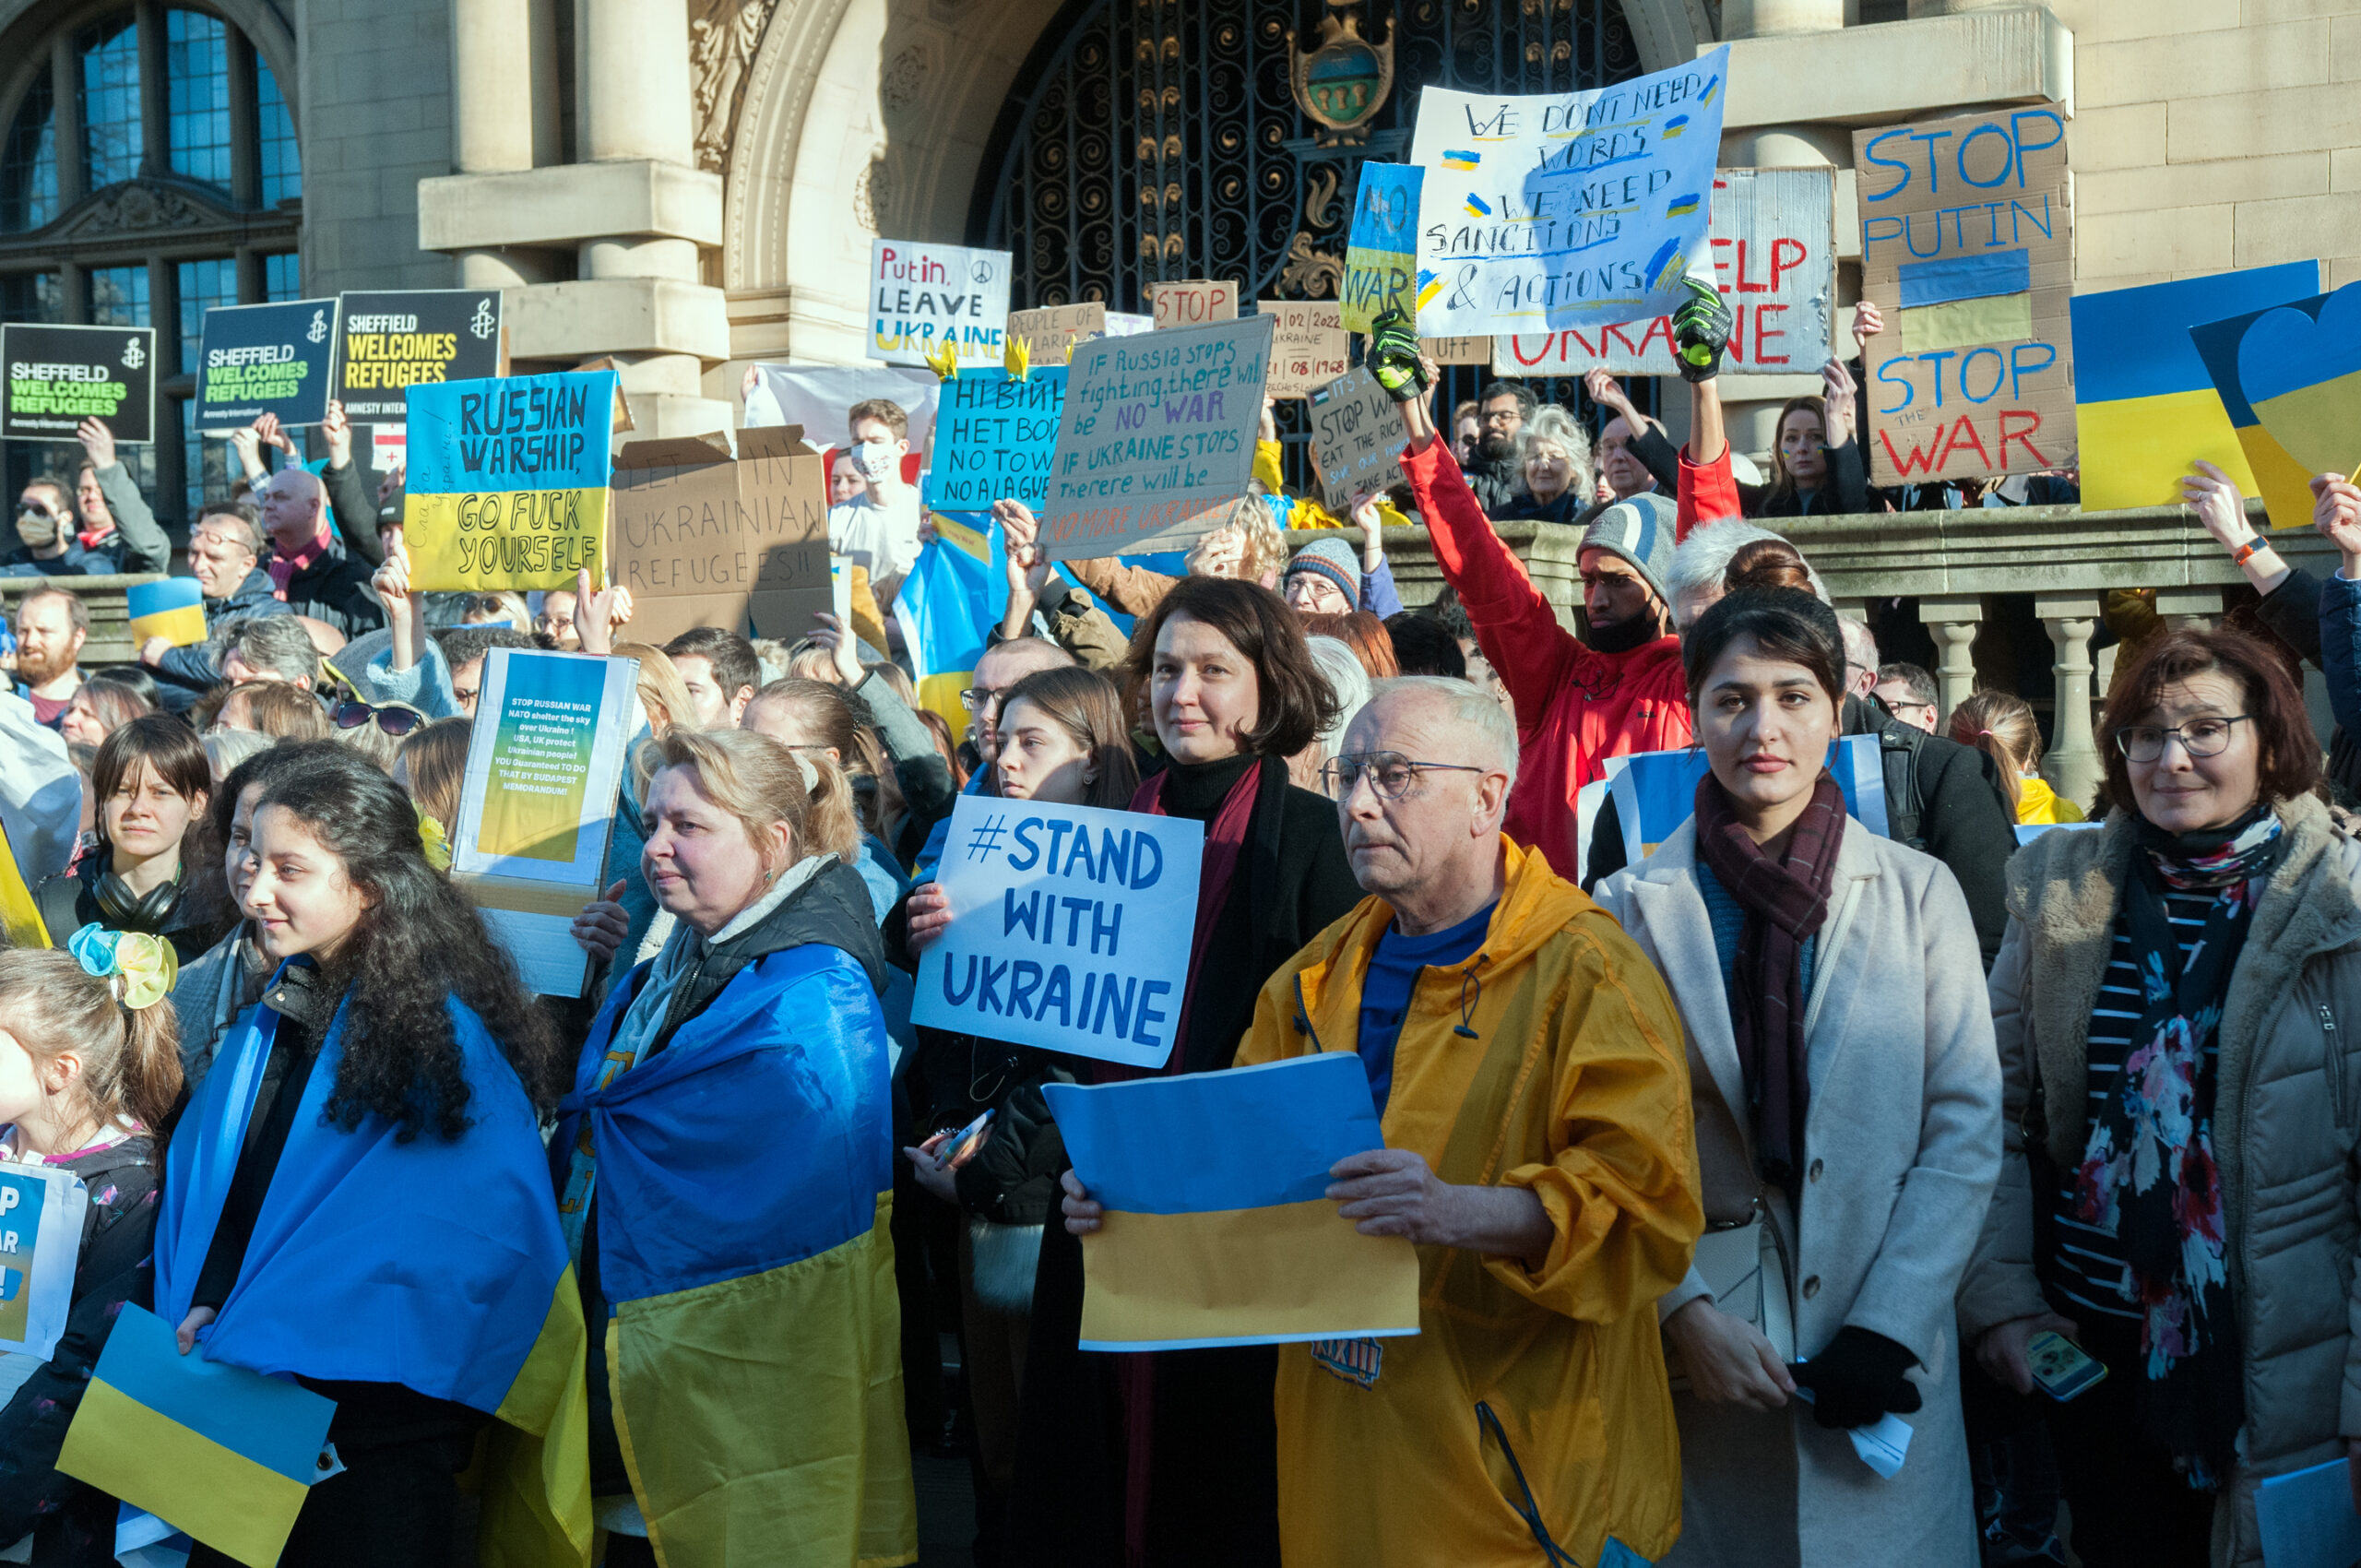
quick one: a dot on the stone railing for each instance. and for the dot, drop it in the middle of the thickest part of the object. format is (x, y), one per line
(2064, 557)
(110, 641)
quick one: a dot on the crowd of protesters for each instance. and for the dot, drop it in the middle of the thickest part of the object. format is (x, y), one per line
(1788, 1129)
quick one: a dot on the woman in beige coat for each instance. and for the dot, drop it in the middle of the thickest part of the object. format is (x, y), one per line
(1847, 1108)
(2177, 1003)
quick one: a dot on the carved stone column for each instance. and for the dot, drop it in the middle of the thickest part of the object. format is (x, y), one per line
(2189, 609)
(2073, 763)
(1953, 623)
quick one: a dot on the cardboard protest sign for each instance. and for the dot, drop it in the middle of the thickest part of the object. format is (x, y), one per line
(1968, 245)
(922, 296)
(2145, 407)
(40, 1245)
(1156, 441)
(1555, 210)
(507, 485)
(258, 360)
(706, 537)
(545, 762)
(388, 342)
(1655, 792)
(1457, 351)
(1773, 244)
(1382, 247)
(1192, 303)
(1052, 332)
(1356, 438)
(173, 609)
(51, 378)
(1069, 928)
(1218, 1229)
(994, 438)
(2299, 366)
(1308, 348)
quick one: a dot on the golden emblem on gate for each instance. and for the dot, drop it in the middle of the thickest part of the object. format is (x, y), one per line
(1343, 82)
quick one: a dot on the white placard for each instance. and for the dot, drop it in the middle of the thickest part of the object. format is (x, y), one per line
(40, 1245)
(922, 295)
(1069, 928)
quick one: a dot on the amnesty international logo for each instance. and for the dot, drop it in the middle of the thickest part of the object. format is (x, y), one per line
(134, 356)
(318, 330)
(481, 323)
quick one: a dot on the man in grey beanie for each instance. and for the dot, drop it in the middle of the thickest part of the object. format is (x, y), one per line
(1625, 554)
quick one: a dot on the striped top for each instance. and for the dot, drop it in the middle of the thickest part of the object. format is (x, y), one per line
(2090, 1261)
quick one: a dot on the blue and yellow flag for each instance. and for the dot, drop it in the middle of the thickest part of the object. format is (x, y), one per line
(1218, 1232)
(173, 609)
(433, 1263)
(944, 609)
(2146, 409)
(2299, 366)
(507, 485)
(1655, 792)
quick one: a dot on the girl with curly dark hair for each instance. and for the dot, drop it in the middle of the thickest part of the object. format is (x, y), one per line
(358, 1192)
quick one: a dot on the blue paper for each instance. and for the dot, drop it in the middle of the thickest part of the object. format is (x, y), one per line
(2307, 1518)
(994, 438)
(1977, 277)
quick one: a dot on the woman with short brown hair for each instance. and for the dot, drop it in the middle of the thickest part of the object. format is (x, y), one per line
(2177, 1002)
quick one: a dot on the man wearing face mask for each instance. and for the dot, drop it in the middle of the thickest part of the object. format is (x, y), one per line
(115, 532)
(879, 530)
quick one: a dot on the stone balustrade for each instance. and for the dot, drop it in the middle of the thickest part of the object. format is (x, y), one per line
(110, 639)
(1949, 562)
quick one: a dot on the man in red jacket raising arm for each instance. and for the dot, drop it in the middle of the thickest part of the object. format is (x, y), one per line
(1576, 704)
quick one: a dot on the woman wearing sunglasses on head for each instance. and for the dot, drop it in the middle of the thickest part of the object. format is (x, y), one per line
(2177, 1002)
(1847, 1105)
(377, 730)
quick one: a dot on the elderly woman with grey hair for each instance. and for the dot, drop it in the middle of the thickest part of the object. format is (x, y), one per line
(1341, 668)
(1554, 455)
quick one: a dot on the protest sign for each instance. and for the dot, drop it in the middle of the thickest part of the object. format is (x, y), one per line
(1069, 928)
(173, 609)
(507, 485)
(2145, 407)
(1218, 1229)
(1655, 792)
(1967, 246)
(995, 438)
(1382, 248)
(922, 296)
(1564, 209)
(40, 1245)
(706, 537)
(257, 359)
(537, 804)
(1192, 303)
(1773, 244)
(1457, 351)
(219, 1452)
(1308, 347)
(1356, 438)
(1157, 441)
(1052, 332)
(57, 376)
(2299, 366)
(388, 342)
(815, 397)
(2284, 484)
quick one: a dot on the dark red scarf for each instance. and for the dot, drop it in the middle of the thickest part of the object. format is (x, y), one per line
(1786, 901)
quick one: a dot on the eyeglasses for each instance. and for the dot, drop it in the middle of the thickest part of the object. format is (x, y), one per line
(394, 718)
(1390, 772)
(976, 698)
(2198, 737)
(43, 512)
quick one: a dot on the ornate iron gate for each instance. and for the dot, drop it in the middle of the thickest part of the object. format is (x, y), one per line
(1223, 138)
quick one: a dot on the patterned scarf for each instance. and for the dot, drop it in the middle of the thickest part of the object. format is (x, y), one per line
(284, 567)
(1786, 901)
(2149, 1172)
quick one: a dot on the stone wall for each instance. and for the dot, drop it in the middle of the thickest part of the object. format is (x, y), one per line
(375, 119)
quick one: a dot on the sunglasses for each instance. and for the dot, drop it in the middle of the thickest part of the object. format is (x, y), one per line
(395, 718)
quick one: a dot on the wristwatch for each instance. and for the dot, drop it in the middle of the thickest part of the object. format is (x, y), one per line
(2248, 551)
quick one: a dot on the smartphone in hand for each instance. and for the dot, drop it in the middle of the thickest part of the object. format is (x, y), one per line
(2061, 1367)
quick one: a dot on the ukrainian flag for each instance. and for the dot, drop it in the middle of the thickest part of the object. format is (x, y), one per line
(1963, 302)
(21, 922)
(1655, 792)
(507, 482)
(1218, 1232)
(437, 1264)
(944, 610)
(1462, 160)
(2147, 407)
(221, 1453)
(1476, 208)
(1674, 126)
(1682, 205)
(173, 609)
(2299, 364)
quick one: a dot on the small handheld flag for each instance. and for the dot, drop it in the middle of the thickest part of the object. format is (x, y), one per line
(173, 609)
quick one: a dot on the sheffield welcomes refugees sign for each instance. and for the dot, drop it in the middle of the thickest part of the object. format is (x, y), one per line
(1069, 928)
(1542, 212)
(57, 376)
(388, 342)
(258, 360)
(507, 482)
(1968, 248)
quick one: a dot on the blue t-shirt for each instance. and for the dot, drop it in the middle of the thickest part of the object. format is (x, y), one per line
(1386, 995)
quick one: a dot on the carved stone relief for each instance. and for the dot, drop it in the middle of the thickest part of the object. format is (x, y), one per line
(723, 37)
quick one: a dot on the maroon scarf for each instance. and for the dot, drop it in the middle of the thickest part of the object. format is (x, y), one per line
(282, 567)
(1786, 901)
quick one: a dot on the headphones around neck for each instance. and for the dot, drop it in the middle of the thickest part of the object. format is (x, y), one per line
(127, 910)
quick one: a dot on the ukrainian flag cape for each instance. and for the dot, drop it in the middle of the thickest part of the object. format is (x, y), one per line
(437, 1265)
(744, 1190)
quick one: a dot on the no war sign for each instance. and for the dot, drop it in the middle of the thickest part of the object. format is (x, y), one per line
(1070, 929)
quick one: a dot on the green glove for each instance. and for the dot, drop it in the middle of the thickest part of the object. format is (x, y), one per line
(1700, 329)
(1393, 357)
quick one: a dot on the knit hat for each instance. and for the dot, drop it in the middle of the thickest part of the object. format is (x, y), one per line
(1333, 559)
(1639, 530)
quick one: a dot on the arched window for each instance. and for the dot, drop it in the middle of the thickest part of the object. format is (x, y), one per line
(149, 169)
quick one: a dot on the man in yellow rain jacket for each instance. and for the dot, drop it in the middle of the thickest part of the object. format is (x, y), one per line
(1530, 1075)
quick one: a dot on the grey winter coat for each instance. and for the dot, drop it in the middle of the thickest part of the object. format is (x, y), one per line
(2287, 1105)
(1903, 1141)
